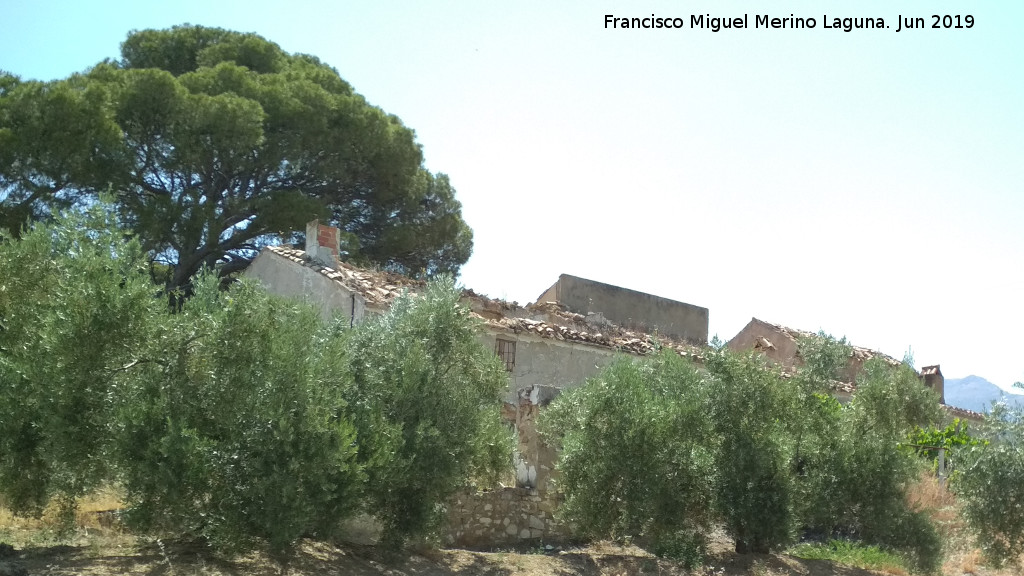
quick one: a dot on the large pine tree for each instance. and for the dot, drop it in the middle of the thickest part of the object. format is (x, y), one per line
(216, 143)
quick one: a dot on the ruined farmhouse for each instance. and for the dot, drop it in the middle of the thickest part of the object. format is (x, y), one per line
(547, 346)
(574, 329)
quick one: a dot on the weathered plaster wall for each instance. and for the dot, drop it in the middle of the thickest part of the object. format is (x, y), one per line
(784, 351)
(485, 518)
(286, 278)
(854, 369)
(323, 242)
(553, 363)
(631, 309)
(543, 368)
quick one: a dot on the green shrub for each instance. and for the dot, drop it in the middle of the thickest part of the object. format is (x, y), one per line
(656, 450)
(955, 438)
(825, 358)
(852, 554)
(892, 401)
(243, 419)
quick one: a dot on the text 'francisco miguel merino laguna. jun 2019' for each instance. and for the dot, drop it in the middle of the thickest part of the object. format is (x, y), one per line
(792, 22)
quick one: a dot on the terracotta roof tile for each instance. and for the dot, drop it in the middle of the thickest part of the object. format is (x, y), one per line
(611, 337)
(963, 412)
(552, 320)
(381, 288)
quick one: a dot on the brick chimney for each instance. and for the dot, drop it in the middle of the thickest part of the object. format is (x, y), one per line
(322, 243)
(933, 379)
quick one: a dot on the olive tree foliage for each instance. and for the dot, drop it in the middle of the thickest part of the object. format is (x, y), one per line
(824, 359)
(637, 454)
(75, 301)
(892, 401)
(234, 426)
(426, 397)
(990, 487)
(854, 474)
(241, 419)
(856, 488)
(756, 415)
(657, 449)
(219, 142)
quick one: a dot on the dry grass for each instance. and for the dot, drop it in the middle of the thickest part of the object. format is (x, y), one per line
(970, 561)
(962, 554)
(928, 493)
(95, 527)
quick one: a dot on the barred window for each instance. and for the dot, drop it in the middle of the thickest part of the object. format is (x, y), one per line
(506, 350)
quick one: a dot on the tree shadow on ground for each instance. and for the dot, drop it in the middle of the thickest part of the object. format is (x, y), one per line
(322, 558)
(311, 557)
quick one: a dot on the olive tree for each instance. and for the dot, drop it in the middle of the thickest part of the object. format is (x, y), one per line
(426, 396)
(75, 302)
(989, 485)
(234, 426)
(637, 454)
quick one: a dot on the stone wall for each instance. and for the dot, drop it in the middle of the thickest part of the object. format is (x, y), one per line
(504, 516)
(535, 460)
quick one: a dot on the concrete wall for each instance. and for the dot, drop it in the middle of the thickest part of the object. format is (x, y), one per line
(286, 278)
(631, 309)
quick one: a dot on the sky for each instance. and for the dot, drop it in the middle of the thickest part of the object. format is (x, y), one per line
(866, 183)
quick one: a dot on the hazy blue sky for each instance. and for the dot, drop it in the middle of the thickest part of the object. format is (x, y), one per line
(870, 183)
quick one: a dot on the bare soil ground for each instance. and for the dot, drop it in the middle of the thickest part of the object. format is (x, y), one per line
(98, 547)
(153, 559)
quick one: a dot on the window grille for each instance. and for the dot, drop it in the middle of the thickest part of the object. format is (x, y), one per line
(506, 350)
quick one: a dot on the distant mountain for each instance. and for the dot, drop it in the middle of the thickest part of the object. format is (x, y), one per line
(976, 393)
